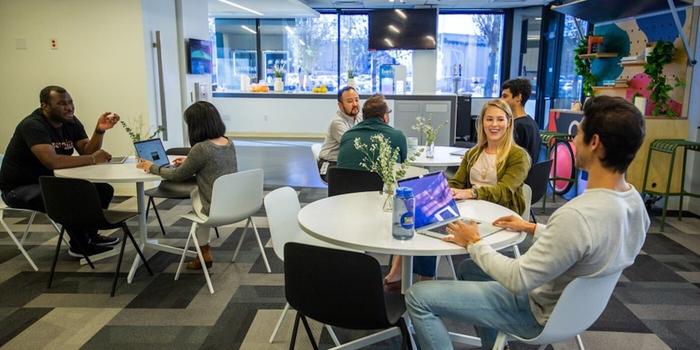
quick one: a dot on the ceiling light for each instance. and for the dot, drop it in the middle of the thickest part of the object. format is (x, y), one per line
(248, 29)
(400, 13)
(538, 18)
(393, 29)
(388, 42)
(241, 7)
(430, 37)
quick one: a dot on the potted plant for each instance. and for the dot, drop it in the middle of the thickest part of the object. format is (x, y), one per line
(661, 55)
(136, 132)
(425, 126)
(583, 67)
(351, 78)
(382, 159)
(279, 74)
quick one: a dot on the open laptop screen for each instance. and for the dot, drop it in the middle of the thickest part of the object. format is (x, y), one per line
(152, 150)
(434, 202)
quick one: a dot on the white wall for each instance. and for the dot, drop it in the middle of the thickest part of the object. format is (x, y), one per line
(99, 60)
(424, 71)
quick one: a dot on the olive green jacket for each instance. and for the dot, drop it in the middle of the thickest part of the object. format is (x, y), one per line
(508, 191)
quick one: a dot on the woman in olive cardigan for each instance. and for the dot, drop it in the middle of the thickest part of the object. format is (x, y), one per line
(494, 170)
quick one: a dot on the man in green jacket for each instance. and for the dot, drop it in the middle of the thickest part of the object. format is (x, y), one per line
(376, 116)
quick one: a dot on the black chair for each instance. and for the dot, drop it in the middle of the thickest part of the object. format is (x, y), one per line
(75, 203)
(353, 299)
(341, 181)
(171, 189)
(538, 179)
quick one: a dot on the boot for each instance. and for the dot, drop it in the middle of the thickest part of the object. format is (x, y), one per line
(194, 264)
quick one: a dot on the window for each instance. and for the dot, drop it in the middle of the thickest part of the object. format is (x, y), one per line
(236, 54)
(364, 64)
(306, 49)
(570, 85)
(469, 53)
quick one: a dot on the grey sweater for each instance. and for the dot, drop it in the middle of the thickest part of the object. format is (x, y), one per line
(595, 234)
(207, 161)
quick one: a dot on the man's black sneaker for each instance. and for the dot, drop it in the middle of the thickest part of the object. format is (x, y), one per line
(75, 252)
(104, 241)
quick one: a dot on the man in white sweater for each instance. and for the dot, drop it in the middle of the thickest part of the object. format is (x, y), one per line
(597, 233)
(347, 116)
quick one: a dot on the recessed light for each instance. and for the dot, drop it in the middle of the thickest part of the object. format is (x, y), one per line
(393, 29)
(401, 13)
(248, 29)
(388, 42)
(241, 7)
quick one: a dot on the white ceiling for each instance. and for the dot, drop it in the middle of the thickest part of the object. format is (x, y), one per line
(305, 8)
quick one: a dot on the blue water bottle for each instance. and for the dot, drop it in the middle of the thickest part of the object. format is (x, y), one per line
(403, 223)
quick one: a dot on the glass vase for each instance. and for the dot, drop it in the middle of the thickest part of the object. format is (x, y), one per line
(430, 150)
(389, 191)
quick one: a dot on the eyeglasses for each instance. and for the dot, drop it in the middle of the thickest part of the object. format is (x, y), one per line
(389, 111)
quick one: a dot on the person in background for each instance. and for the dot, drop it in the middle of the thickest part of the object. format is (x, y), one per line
(595, 234)
(347, 116)
(212, 155)
(46, 140)
(515, 93)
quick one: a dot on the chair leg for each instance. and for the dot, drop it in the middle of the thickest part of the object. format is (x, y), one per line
(136, 247)
(155, 210)
(532, 215)
(82, 249)
(295, 329)
(579, 342)
(262, 249)
(18, 244)
(216, 230)
(119, 265)
(405, 335)
(500, 341)
(204, 264)
(55, 258)
(332, 334)
(26, 229)
(240, 240)
(279, 323)
(193, 228)
(58, 230)
(308, 332)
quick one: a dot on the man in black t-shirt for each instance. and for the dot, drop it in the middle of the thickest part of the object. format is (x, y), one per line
(46, 140)
(515, 93)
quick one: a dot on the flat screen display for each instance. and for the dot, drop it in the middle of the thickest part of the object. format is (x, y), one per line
(434, 202)
(199, 56)
(404, 29)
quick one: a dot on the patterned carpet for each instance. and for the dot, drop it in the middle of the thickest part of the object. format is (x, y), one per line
(656, 304)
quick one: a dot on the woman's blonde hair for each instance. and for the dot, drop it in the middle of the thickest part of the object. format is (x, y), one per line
(507, 142)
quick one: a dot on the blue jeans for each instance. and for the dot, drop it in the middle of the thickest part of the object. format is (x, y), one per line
(484, 303)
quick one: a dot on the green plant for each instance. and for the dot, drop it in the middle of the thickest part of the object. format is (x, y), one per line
(279, 70)
(136, 133)
(661, 55)
(382, 159)
(351, 74)
(583, 67)
(425, 126)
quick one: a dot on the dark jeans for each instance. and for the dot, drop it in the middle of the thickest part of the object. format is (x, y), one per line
(29, 197)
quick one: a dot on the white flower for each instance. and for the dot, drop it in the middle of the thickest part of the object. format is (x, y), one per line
(380, 158)
(425, 126)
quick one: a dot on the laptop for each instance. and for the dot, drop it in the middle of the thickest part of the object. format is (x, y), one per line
(118, 160)
(152, 150)
(435, 206)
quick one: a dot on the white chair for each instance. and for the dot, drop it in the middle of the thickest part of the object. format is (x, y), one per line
(32, 214)
(282, 207)
(581, 303)
(316, 150)
(235, 197)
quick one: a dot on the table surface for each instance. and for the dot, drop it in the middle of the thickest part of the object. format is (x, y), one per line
(116, 173)
(442, 157)
(357, 221)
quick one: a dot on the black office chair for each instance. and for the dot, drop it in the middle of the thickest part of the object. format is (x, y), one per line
(341, 181)
(353, 299)
(538, 180)
(75, 203)
(171, 189)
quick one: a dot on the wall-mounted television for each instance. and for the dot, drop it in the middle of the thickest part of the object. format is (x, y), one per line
(408, 29)
(198, 56)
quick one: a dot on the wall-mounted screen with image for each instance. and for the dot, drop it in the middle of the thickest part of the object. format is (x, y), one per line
(198, 56)
(403, 29)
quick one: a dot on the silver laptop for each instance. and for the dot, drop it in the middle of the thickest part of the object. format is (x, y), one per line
(435, 206)
(118, 160)
(152, 150)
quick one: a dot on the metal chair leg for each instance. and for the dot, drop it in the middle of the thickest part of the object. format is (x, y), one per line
(279, 323)
(18, 243)
(295, 329)
(136, 247)
(119, 264)
(308, 332)
(155, 210)
(216, 230)
(668, 191)
(55, 258)
(240, 240)
(262, 248)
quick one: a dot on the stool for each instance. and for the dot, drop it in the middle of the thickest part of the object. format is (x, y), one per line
(669, 146)
(550, 139)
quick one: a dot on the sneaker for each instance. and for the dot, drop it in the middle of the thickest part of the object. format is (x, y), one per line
(91, 250)
(104, 241)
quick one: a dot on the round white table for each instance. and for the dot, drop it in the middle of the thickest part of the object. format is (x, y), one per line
(442, 158)
(123, 173)
(357, 221)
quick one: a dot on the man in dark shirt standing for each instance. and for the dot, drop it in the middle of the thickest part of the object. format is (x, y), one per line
(44, 141)
(515, 93)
